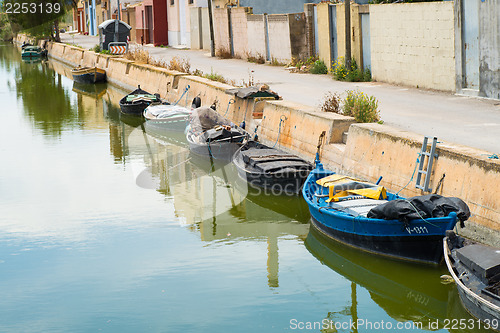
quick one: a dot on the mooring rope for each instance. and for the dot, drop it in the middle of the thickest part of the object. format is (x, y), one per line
(231, 101)
(185, 91)
(282, 119)
(413, 174)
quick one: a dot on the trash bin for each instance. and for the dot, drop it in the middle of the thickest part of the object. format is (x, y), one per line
(113, 31)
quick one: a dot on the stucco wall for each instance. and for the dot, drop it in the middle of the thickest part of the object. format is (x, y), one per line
(221, 29)
(324, 33)
(196, 28)
(413, 44)
(489, 49)
(279, 38)
(256, 35)
(240, 30)
(205, 33)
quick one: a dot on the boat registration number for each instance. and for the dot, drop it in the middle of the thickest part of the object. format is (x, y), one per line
(417, 230)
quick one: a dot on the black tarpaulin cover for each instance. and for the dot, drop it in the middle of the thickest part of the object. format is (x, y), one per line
(424, 206)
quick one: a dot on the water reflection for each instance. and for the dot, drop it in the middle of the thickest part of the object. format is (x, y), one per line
(45, 100)
(406, 292)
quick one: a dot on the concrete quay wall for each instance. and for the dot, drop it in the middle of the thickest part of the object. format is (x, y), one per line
(371, 150)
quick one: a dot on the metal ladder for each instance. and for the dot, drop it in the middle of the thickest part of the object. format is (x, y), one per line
(427, 172)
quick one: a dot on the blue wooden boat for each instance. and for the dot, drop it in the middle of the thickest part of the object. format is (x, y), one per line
(345, 220)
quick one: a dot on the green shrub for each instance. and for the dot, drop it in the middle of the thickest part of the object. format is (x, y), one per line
(319, 67)
(362, 107)
(342, 72)
(96, 48)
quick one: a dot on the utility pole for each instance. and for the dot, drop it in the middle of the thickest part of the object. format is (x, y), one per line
(348, 33)
(119, 11)
(211, 22)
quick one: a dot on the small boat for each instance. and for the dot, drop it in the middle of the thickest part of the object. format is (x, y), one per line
(270, 168)
(33, 52)
(211, 135)
(170, 117)
(475, 268)
(137, 101)
(88, 74)
(367, 217)
(25, 45)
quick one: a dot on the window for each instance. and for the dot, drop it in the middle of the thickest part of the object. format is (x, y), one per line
(172, 2)
(190, 2)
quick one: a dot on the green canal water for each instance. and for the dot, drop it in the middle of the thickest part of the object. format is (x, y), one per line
(108, 224)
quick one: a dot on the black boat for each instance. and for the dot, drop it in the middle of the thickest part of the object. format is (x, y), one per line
(88, 74)
(137, 101)
(271, 168)
(476, 271)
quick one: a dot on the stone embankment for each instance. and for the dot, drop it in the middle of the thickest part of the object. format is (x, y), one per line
(370, 150)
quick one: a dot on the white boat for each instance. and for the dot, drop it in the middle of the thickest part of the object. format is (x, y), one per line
(167, 117)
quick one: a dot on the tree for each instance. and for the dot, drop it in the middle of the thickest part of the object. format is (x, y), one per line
(38, 17)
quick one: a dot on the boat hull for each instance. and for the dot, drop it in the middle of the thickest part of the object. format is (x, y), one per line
(217, 150)
(174, 123)
(477, 306)
(88, 75)
(288, 183)
(424, 249)
(418, 241)
(135, 108)
(286, 176)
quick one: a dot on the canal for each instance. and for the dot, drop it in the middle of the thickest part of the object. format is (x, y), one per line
(108, 224)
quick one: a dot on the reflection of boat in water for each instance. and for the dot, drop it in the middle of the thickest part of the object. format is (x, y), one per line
(93, 90)
(405, 291)
(288, 205)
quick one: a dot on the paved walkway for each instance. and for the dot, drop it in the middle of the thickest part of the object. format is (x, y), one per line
(469, 121)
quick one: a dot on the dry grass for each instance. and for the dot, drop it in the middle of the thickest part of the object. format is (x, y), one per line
(331, 103)
(258, 59)
(176, 64)
(223, 53)
(140, 56)
(180, 64)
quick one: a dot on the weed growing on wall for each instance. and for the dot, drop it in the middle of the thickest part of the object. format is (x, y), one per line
(319, 67)
(224, 53)
(342, 72)
(331, 103)
(362, 107)
(258, 58)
